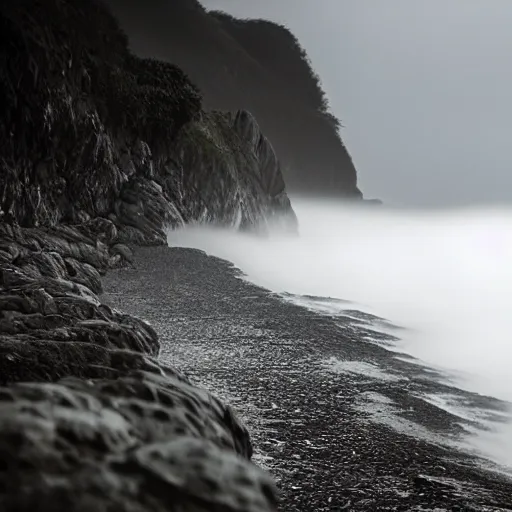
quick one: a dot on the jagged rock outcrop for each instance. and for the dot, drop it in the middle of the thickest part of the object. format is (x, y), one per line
(89, 419)
(257, 65)
(100, 151)
(88, 129)
(213, 150)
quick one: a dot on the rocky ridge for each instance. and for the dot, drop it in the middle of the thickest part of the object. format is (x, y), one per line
(101, 151)
(259, 65)
(89, 419)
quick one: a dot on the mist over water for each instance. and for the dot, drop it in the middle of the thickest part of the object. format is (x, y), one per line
(446, 276)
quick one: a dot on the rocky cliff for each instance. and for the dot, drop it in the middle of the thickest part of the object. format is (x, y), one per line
(101, 150)
(85, 123)
(257, 65)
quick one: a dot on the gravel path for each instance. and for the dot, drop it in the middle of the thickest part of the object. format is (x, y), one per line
(340, 422)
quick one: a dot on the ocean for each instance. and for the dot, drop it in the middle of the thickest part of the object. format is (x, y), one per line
(441, 281)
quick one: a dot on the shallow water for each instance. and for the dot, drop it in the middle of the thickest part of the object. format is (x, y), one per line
(445, 276)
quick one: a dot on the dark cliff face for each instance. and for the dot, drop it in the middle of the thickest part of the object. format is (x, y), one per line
(89, 130)
(255, 65)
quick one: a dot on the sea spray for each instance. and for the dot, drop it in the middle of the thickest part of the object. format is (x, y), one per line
(444, 275)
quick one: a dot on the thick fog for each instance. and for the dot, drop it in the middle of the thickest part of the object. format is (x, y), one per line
(446, 277)
(423, 87)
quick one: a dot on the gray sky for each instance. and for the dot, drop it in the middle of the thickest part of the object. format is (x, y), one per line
(423, 88)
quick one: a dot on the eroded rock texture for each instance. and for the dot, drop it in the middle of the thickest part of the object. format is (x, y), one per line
(213, 150)
(100, 151)
(88, 130)
(89, 420)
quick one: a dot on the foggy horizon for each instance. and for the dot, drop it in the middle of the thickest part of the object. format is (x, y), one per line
(442, 277)
(421, 88)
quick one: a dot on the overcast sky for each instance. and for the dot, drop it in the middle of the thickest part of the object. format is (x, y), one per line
(423, 88)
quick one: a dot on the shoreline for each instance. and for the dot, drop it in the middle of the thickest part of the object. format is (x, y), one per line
(324, 435)
(90, 419)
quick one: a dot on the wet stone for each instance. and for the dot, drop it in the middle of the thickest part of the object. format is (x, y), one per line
(90, 420)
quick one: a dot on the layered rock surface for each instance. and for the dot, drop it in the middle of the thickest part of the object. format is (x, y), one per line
(100, 151)
(89, 419)
(89, 130)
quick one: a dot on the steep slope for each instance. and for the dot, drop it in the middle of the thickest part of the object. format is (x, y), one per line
(84, 123)
(101, 151)
(255, 65)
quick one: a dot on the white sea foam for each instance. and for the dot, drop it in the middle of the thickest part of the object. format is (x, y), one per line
(446, 276)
